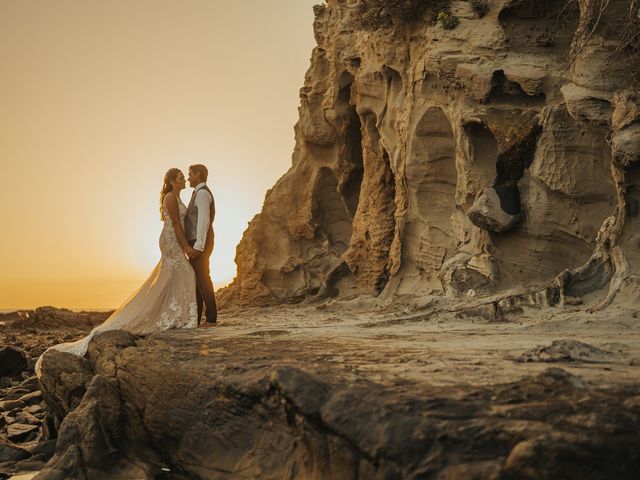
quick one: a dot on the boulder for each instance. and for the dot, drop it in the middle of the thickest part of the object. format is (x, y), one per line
(31, 398)
(65, 383)
(10, 405)
(488, 212)
(21, 432)
(30, 383)
(566, 351)
(34, 409)
(12, 453)
(27, 418)
(12, 361)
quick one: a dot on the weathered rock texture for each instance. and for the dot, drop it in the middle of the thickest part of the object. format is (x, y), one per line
(25, 424)
(270, 405)
(500, 154)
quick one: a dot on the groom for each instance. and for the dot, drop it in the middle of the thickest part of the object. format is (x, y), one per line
(198, 225)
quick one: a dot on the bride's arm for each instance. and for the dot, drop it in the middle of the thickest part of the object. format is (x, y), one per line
(171, 202)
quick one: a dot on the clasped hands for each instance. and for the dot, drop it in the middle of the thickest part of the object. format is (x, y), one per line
(191, 252)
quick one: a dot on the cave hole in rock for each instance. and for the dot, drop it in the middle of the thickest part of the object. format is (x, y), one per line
(394, 79)
(351, 155)
(354, 62)
(330, 212)
(504, 90)
(344, 93)
(375, 216)
(484, 155)
(511, 166)
(350, 187)
(431, 178)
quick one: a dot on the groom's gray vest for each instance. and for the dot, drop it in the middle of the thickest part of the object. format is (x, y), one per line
(191, 220)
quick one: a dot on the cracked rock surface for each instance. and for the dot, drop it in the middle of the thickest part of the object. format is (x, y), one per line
(265, 395)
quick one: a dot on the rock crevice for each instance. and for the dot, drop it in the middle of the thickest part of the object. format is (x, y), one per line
(229, 414)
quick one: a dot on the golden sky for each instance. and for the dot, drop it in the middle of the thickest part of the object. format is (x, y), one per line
(98, 98)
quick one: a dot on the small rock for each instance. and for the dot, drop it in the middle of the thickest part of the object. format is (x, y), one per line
(30, 383)
(566, 351)
(20, 432)
(27, 419)
(15, 411)
(34, 409)
(36, 352)
(32, 398)
(12, 453)
(635, 362)
(31, 364)
(44, 448)
(488, 211)
(16, 391)
(8, 405)
(12, 361)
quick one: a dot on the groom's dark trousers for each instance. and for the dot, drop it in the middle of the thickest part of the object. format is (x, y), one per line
(204, 290)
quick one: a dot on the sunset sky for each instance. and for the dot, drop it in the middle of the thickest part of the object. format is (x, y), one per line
(99, 98)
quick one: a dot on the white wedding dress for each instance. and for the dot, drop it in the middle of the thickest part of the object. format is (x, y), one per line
(166, 300)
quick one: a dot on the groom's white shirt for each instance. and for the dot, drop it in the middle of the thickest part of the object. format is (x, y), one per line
(202, 200)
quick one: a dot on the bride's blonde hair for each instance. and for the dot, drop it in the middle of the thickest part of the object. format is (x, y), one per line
(169, 177)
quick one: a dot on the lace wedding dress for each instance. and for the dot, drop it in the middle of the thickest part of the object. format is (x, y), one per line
(166, 300)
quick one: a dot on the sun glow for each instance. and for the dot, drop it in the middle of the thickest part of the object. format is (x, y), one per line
(101, 98)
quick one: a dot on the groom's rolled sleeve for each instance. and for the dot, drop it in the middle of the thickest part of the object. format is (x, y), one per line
(204, 206)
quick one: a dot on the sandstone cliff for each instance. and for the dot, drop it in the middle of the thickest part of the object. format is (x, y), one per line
(464, 148)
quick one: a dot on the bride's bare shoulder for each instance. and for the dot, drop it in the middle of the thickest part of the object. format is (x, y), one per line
(170, 202)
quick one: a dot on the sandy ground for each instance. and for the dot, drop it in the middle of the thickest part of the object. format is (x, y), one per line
(394, 343)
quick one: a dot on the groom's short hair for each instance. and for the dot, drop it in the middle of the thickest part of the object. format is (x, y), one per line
(200, 170)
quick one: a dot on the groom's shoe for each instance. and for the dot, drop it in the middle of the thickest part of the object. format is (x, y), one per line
(208, 324)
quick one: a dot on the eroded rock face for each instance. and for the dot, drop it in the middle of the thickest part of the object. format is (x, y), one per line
(231, 411)
(404, 124)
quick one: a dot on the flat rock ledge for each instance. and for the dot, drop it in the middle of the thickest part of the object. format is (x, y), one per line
(190, 404)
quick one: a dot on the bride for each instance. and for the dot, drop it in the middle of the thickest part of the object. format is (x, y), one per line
(167, 299)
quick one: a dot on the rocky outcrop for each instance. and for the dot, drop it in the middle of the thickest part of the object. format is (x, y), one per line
(467, 157)
(188, 405)
(26, 422)
(34, 330)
